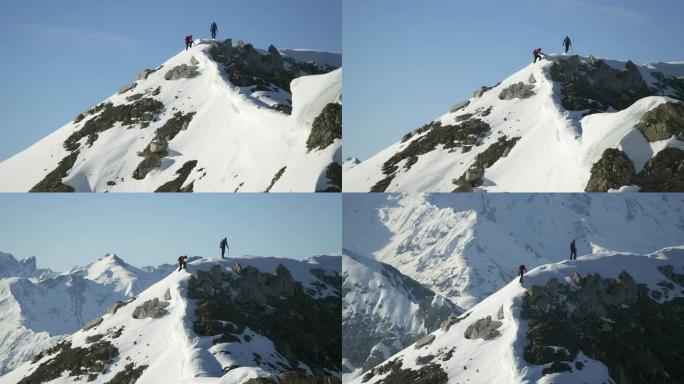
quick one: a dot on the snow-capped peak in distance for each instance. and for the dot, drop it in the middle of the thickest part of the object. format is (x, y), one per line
(603, 318)
(566, 124)
(11, 267)
(216, 117)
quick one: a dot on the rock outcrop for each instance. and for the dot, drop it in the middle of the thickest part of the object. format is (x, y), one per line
(663, 122)
(182, 71)
(518, 90)
(326, 127)
(151, 308)
(484, 328)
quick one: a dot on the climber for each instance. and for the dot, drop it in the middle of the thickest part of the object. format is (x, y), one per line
(224, 245)
(521, 271)
(188, 42)
(213, 29)
(537, 55)
(567, 44)
(182, 263)
(573, 250)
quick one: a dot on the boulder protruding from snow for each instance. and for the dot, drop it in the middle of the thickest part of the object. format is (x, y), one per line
(518, 90)
(115, 307)
(484, 328)
(182, 71)
(326, 127)
(427, 340)
(612, 171)
(92, 324)
(151, 308)
(663, 122)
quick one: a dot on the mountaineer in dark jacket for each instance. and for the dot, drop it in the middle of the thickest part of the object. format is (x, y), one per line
(521, 271)
(573, 250)
(188, 42)
(224, 245)
(213, 29)
(567, 44)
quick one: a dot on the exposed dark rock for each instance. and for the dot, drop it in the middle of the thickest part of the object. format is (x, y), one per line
(77, 361)
(327, 127)
(286, 109)
(146, 73)
(613, 170)
(135, 97)
(139, 112)
(79, 118)
(92, 324)
(472, 177)
(52, 182)
(663, 122)
(128, 375)
(664, 172)
(176, 185)
(427, 374)
(669, 85)
(427, 340)
(167, 294)
(517, 90)
(596, 86)
(500, 313)
(126, 88)
(93, 338)
(668, 271)
(448, 136)
(458, 106)
(272, 305)
(481, 91)
(151, 308)
(296, 377)
(484, 328)
(182, 71)
(157, 149)
(422, 360)
(276, 177)
(334, 173)
(612, 320)
(556, 367)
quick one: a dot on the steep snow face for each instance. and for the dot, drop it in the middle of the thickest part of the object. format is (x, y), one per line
(214, 135)
(39, 307)
(384, 311)
(467, 246)
(453, 358)
(160, 341)
(548, 147)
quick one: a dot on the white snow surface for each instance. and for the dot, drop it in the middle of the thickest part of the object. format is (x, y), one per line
(168, 345)
(40, 308)
(500, 360)
(238, 140)
(556, 150)
(383, 298)
(467, 246)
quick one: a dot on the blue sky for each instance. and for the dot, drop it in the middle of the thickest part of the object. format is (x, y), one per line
(407, 62)
(62, 57)
(63, 230)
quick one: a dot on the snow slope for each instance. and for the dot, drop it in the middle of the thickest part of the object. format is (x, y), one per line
(169, 346)
(556, 149)
(39, 309)
(500, 360)
(467, 246)
(384, 311)
(240, 142)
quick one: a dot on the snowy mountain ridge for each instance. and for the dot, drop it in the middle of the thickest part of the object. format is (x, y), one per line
(216, 117)
(227, 321)
(467, 246)
(579, 114)
(568, 322)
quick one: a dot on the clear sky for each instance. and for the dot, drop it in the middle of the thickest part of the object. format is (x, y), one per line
(64, 230)
(407, 62)
(61, 57)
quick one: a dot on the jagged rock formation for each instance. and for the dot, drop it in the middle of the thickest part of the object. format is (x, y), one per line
(616, 321)
(326, 128)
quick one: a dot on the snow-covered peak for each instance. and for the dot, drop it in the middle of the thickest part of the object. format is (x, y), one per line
(176, 331)
(593, 299)
(216, 117)
(11, 267)
(567, 110)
